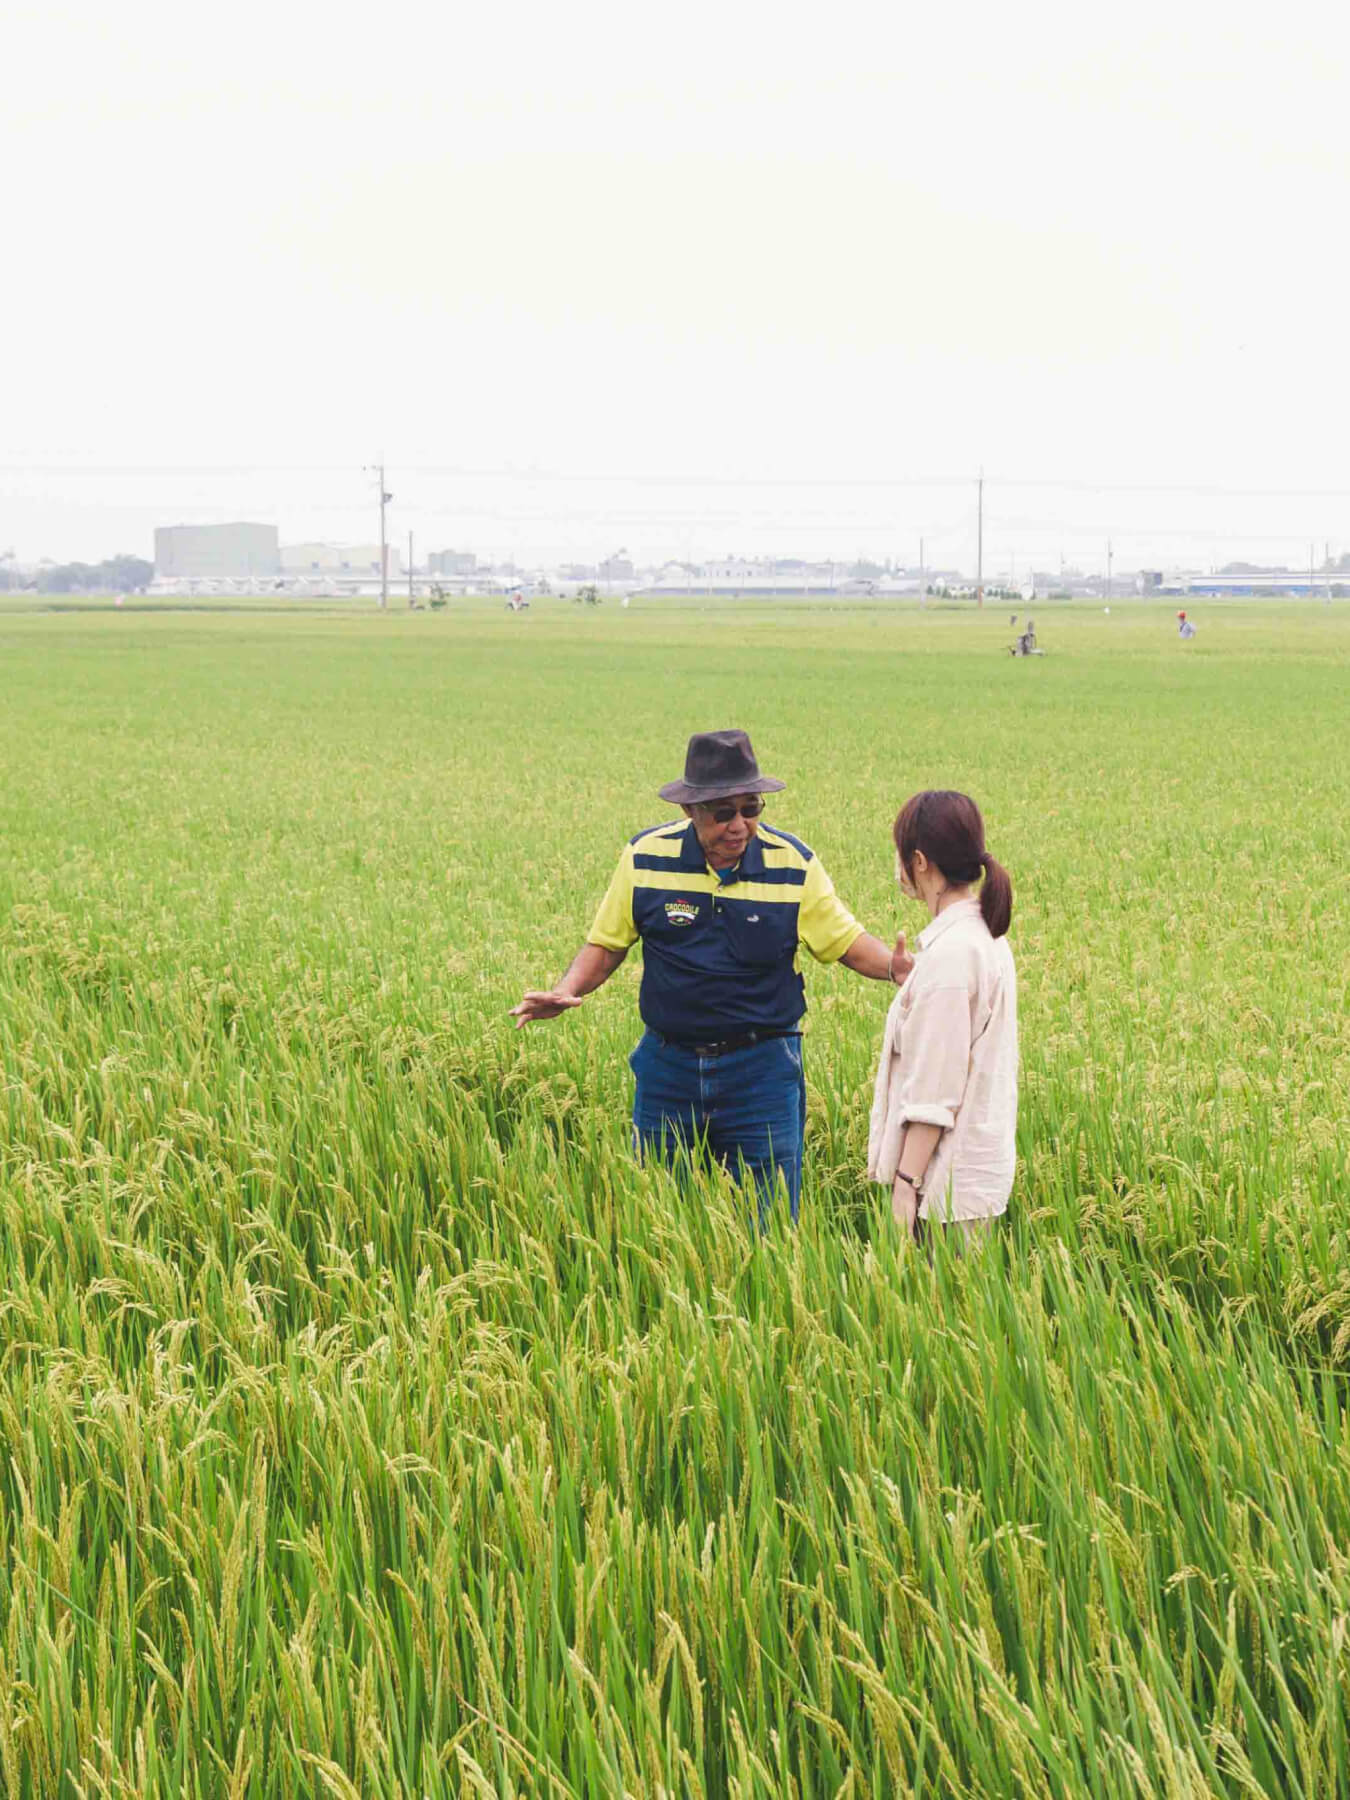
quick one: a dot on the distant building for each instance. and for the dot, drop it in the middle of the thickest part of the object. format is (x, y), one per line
(734, 568)
(1272, 583)
(207, 550)
(337, 559)
(616, 568)
(451, 562)
(763, 587)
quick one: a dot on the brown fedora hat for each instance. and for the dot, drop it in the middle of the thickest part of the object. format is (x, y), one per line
(718, 763)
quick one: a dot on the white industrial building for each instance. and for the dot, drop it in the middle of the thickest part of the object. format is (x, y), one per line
(193, 552)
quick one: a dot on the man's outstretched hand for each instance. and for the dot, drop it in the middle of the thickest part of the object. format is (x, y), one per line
(591, 967)
(869, 956)
(536, 1006)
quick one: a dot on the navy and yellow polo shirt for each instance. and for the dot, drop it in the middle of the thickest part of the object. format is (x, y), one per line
(719, 952)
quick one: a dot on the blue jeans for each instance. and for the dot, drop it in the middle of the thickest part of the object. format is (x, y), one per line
(747, 1106)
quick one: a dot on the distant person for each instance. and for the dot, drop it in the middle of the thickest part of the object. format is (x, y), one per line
(944, 1112)
(722, 905)
(1025, 643)
(1185, 626)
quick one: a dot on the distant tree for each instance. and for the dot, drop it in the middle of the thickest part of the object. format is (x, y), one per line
(127, 573)
(117, 574)
(588, 595)
(64, 578)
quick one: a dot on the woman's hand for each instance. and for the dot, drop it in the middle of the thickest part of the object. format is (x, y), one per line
(904, 1207)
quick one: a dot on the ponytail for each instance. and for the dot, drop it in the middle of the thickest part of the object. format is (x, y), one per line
(948, 828)
(996, 897)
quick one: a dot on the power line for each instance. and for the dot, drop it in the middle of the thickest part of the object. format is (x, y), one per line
(628, 477)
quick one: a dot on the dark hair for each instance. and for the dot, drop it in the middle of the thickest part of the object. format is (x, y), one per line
(948, 828)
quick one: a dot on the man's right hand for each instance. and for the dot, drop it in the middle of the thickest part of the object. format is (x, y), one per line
(537, 1006)
(591, 967)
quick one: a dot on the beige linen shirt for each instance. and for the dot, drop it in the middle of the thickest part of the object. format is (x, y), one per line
(949, 1058)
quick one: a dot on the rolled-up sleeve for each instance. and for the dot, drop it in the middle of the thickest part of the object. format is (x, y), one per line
(824, 923)
(935, 1056)
(612, 927)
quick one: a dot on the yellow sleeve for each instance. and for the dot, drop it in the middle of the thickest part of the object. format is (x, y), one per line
(824, 923)
(613, 927)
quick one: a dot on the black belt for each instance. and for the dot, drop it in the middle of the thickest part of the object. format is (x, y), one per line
(721, 1046)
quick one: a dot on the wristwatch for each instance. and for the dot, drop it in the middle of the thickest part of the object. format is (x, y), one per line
(900, 1175)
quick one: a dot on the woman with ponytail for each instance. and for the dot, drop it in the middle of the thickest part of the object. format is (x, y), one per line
(944, 1115)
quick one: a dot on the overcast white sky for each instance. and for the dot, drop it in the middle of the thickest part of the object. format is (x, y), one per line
(687, 280)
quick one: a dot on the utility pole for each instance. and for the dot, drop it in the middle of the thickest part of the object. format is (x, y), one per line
(411, 601)
(385, 498)
(1109, 554)
(979, 546)
(377, 469)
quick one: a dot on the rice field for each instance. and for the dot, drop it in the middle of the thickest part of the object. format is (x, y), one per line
(372, 1426)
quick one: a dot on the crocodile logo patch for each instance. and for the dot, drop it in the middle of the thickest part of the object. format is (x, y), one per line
(681, 912)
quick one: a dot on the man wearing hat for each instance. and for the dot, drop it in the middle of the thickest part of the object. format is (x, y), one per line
(721, 904)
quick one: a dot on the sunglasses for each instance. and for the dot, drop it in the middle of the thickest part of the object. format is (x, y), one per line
(723, 815)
